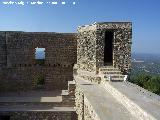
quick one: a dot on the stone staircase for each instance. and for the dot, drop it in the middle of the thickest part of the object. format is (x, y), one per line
(68, 96)
(64, 98)
(109, 73)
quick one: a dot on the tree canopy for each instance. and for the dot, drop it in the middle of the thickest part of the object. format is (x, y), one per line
(147, 81)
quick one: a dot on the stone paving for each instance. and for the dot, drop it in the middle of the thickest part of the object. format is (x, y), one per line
(138, 101)
(37, 108)
(104, 105)
(32, 96)
(37, 93)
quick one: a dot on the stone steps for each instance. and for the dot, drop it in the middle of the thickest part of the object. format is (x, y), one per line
(29, 101)
(68, 96)
(110, 73)
(108, 68)
(117, 79)
(116, 75)
(35, 108)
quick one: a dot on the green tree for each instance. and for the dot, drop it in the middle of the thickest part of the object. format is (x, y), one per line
(147, 81)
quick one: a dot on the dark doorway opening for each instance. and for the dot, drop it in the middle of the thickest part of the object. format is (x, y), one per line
(108, 48)
(4, 117)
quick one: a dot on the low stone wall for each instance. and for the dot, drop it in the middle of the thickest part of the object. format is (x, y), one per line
(135, 106)
(83, 107)
(89, 113)
(90, 76)
(79, 102)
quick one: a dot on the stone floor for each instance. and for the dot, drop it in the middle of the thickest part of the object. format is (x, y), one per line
(120, 100)
(145, 100)
(31, 96)
(33, 101)
(37, 93)
(103, 103)
(35, 108)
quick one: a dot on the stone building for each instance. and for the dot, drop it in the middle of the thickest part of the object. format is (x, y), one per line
(19, 67)
(82, 76)
(102, 44)
(101, 73)
(30, 87)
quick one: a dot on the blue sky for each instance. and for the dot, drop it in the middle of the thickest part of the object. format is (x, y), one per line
(65, 18)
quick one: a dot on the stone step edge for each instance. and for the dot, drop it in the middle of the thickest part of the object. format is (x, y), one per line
(104, 68)
(110, 72)
(113, 78)
(112, 75)
(41, 100)
(37, 109)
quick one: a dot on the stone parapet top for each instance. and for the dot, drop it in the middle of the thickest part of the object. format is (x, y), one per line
(140, 102)
(98, 25)
(145, 92)
(103, 103)
(114, 22)
(91, 27)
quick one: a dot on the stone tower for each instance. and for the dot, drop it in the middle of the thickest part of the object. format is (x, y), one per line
(104, 44)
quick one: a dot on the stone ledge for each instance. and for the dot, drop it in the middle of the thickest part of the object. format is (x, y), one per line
(103, 104)
(31, 99)
(140, 105)
(33, 108)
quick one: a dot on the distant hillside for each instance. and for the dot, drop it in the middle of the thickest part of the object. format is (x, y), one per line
(148, 63)
(146, 71)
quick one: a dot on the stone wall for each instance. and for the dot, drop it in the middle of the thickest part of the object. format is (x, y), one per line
(83, 107)
(89, 113)
(86, 52)
(41, 115)
(79, 102)
(2, 50)
(91, 41)
(19, 64)
(121, 44)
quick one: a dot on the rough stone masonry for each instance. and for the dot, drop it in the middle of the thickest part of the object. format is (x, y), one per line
(103, 64)
(88, 69)
(91, 41)
(18, 68)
